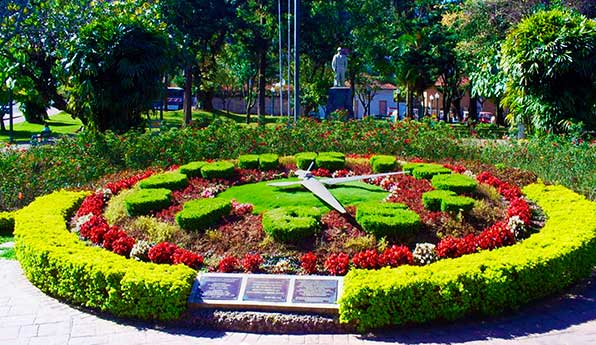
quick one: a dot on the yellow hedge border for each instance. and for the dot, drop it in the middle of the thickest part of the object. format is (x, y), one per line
(57, 262)
(488, 282)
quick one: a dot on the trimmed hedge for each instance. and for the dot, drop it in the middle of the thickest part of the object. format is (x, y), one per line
(144, 201)
(488, 282)
(388, 219)
(58, 263)
(330, 163)
(383, 163)
(192, 169)
(457, 183)
(291, 224)
(218, 170)
(303, 159)
(455, 204)
(333, 154)
(427, 172)
(268, 161)
(432, 200)
(200, 214)
(248, 162)
(169, 180)
(6, 223)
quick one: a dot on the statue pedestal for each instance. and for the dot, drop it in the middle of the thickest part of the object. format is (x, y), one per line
(339, 98)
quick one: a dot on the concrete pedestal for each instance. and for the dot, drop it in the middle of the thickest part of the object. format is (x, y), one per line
(339, 98)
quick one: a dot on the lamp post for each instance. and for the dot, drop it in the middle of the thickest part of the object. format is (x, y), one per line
(272, 100)
(437, 99)
(10, 117)
(432, 98)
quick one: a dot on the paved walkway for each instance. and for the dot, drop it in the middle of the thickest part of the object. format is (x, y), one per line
(29, 317)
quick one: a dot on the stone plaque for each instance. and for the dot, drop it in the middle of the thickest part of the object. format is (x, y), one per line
(315, 291)
(266, 289)
(219, 288)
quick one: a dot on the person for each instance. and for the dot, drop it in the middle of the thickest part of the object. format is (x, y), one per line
(46, 131)
(339, 65)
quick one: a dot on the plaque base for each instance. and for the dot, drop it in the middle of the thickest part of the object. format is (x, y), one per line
(267, 292)
(339, 98)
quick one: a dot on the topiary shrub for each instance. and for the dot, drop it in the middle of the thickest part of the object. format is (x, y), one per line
(61, 265)
(192, 169)
(331, 161)
(218, 170)
(456, 183)
(144, 201)
(170, 180)
(248, 162)
(383, 164)
(200, 214)
(268, 161)
(488, 282)
(428, 171)
(291, 224)
(6, 223)
(455, 204)
(304, 159)
(393, 220)
(432, 200)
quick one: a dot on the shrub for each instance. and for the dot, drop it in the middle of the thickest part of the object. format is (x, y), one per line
(115, 210)
(192, 169)
(291, 224)
(144, 201)
(308, 263)
(383, 163)
(218, 170)
(563, 252)
(455, 204)
(156, 230)
(200, 214)
(304, 159)
(428, 171)
(459, 184)
(169, 180)
(432, 200)
(388, 219)
(248, 161)
(268, 161)
(331, 161)
(6, 223)
(58, 263)
(337, 264)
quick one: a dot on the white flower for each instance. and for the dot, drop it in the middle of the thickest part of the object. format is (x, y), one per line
(516, 226)
(80, 221)
(424, 253)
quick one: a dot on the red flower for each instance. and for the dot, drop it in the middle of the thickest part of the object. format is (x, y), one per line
(94, 229)
(495, 236)
(337, 264)
(407, 141)
(123, 245)
(396, 256)
(228, 264)
(162, 253)
(519, 207)
(252, 262)
(93, 204)
(368, 259)
(112, 236)
(188, 258)
(447, 247)
(308, 262)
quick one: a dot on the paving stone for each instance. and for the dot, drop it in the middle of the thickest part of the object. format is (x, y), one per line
(28, 331)
(8, 332)
(51, 340)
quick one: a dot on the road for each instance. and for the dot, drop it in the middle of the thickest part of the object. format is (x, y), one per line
(18, 115)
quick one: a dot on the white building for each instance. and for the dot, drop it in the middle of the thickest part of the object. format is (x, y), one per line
(381, 104)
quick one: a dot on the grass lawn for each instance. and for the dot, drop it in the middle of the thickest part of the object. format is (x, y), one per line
(60, 124)
(175, 118)
(265, 197)
(7, 253)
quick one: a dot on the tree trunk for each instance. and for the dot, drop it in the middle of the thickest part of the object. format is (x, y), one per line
(187, 95)
(473, 108)
(409, 103)
(207, 100)
(261, 110)
(500, 118)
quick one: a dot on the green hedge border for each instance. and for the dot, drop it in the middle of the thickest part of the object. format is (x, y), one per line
(485, 283)
(58, 263)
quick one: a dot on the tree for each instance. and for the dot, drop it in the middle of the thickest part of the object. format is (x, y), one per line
(116, 68)
(549, 63)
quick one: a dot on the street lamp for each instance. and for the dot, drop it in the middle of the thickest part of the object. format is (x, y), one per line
(432, 98)
(437, 99)
(272, 100)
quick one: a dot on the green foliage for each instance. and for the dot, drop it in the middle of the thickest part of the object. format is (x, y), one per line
(218, 170)
(192, 169)
(460, 184)
(6, 223)
(387, 219)
(268, 161)
(304, 159)
(432, 200)
(489, 282)
(248, 162)
(200, 214)
(551, 71)
(265, 197)
(156, 230)
(425, 170)
(170, 180)
(116, 69)
(331, 161)
(115, 210)
(58, 263)
(383, 163)
(455, 204)
(144, 201)
(292, 224)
